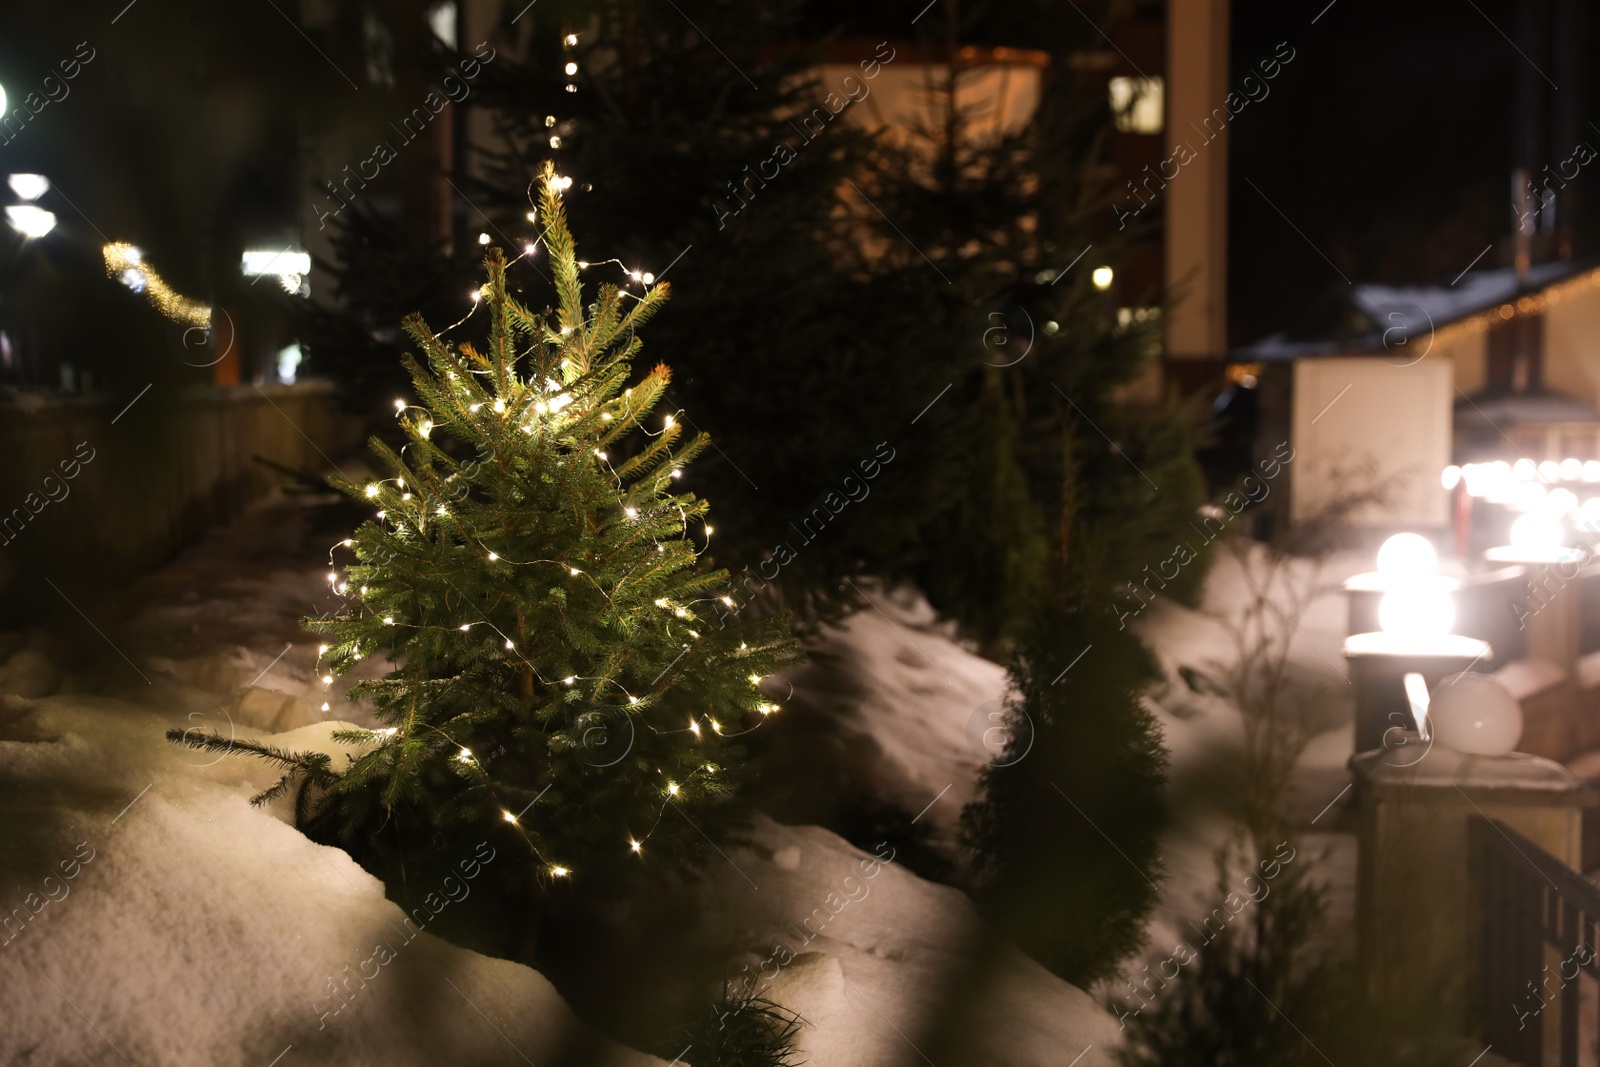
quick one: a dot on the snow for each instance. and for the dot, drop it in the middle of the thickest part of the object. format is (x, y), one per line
(894, 698)
(865, 951)
(205, 931)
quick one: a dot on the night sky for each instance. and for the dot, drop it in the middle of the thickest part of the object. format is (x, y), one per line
(1387, 142)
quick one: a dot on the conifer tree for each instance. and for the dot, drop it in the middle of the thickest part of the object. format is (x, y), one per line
(542, 602)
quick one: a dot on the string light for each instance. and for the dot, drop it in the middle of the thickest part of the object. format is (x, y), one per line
(493, 557)
(635, 845)
(324, 706)
(372, 491)
(510, 643)
(571, 69)
(483, 238)
(124, 261)
(388, 620)
(510, 818)
(559, 872)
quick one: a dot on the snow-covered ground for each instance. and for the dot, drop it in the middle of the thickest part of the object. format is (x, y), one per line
(204, 931)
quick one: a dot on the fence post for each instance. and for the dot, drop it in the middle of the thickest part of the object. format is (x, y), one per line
(1420, 897)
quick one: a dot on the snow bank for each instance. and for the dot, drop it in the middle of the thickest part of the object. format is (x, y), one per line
(890, 697)
(155, 917)
(865, 951)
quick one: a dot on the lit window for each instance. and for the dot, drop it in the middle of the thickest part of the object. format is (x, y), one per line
(1138, 104)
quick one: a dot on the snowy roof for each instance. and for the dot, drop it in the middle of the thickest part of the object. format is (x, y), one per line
(1490, 412)
(1371, 317)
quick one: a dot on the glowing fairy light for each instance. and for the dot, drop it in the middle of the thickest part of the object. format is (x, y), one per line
(672, 790)
(324, 705)
(372, 491)
(388, 620)
(493, 556)
(121, 257)
(559, 872)
(322, 650)
(635, 845)
(399, 405)
(510, 644)
(465, 627)
(510, 818)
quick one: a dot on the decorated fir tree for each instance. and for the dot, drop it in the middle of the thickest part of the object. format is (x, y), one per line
(557, 664)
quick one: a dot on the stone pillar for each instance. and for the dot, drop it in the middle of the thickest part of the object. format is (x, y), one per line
(1418, 884)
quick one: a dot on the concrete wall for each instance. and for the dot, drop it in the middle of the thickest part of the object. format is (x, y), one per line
(96, 490)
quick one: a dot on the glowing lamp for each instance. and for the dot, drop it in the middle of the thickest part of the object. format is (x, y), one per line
(1536, 532)
(1416, 612)
(1475, 714)
(1102, 278)
(1407, 555)
(27, 186)
(30, 221)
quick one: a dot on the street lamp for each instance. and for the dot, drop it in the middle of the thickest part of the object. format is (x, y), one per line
(29, 186)
(30, 221)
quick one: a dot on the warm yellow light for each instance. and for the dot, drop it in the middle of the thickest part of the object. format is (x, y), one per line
(1102, 278)
(510, 818)
(121, 257)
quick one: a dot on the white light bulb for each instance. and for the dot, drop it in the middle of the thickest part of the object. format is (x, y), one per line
(466, 626)
(1407, 555)
(483, 238)
(510, 644)
(1536, 532)
(493, 556)
(1416, 612)
(510, 818)
(571, 69)
(1102, 278)
(372, 491)
(388, 620)
(1451, 477)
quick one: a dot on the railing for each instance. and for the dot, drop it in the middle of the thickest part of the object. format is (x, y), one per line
(1535, 906)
